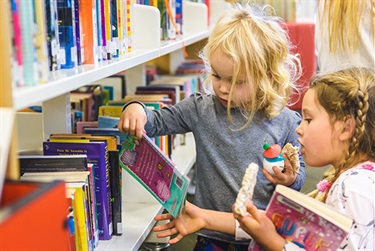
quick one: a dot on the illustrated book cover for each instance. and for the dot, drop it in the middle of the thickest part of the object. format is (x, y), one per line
(306, 222)
(151, 167)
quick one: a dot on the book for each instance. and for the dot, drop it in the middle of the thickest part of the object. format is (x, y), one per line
(79, 35)
(29, 57)
(89, 31)
(37, 212)
(97, 154)
(155, 171)
(81, 125)
(41, 40)
(17, 43)
(67, 33)
(308, 223)
(53, 163)
(53, 41)
(106, 131)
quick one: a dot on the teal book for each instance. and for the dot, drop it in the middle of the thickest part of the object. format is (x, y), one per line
(29, 57)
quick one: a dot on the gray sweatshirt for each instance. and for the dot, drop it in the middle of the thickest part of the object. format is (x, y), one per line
(222, 152)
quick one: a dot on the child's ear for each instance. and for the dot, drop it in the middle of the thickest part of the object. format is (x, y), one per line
(348, 128)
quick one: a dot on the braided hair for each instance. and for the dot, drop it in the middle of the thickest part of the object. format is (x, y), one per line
(344, 94)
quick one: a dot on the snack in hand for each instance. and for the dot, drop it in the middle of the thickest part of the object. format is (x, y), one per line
(272, 157)
(292, 153)
(247, 190)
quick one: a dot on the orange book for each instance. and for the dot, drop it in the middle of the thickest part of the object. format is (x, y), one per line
(89, 31)
(34, 213)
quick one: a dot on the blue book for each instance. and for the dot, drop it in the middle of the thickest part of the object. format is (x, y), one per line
(53, 42)
(67, 33)
(179, 15)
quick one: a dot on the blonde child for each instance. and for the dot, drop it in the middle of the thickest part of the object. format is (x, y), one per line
(250, 76)
(338, 128)
(345, 34)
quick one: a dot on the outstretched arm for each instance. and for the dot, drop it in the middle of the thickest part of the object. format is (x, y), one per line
(133, 119)
(193, 219)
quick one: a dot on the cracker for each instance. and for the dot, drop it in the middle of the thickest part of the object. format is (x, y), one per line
(292, 153)
(247, 190)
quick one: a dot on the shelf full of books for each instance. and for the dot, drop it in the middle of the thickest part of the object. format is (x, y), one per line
(146, 45)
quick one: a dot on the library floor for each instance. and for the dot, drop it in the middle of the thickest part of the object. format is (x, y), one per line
(187, 244)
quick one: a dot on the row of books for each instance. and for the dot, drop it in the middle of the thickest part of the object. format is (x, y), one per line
(89, 165)
(49, 35)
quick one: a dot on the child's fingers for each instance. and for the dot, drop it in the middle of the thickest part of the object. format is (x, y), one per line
(176, 239)
(163, 217)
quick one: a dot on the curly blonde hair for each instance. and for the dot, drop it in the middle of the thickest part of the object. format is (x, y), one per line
(254, 38)
(343, 94)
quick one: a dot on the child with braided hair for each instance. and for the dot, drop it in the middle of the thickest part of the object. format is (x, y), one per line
(338, 128)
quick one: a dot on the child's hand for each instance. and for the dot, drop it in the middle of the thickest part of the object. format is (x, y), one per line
(188, 222)
(260, 228)
(285, 177)
(133, 120)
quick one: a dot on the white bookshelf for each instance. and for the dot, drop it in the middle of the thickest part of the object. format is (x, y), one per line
(139, 207)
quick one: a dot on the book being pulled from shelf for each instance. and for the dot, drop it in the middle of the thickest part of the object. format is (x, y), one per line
(151, 167)
(306, 222)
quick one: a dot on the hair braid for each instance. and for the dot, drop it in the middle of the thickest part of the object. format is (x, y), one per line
(342, 94)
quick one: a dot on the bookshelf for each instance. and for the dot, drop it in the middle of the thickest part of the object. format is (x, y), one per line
(139, 207)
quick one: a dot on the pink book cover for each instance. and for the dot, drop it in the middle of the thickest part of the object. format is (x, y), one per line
(144, 161)
(308, 229)
(15, 6)
(81, 125)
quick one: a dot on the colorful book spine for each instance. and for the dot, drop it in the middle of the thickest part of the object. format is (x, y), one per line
(128, 26)
(93, 210)
(116, 199)
(30, 76)
(79, 36)
(97, 154)
(121, 26)
(89, 31)
(53, 42)
(103, 28)
(163, 19)
(115, 29)
(80, 216)
(41, 40)
(108, 28)
(67, 33)
(179, 15)
(171, 17)
(17, 44)
(99, 28)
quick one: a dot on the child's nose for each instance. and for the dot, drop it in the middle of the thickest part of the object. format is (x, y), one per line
(224, 87)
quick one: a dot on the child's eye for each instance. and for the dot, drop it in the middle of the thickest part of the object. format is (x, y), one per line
(215, 76)
(308, 120)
